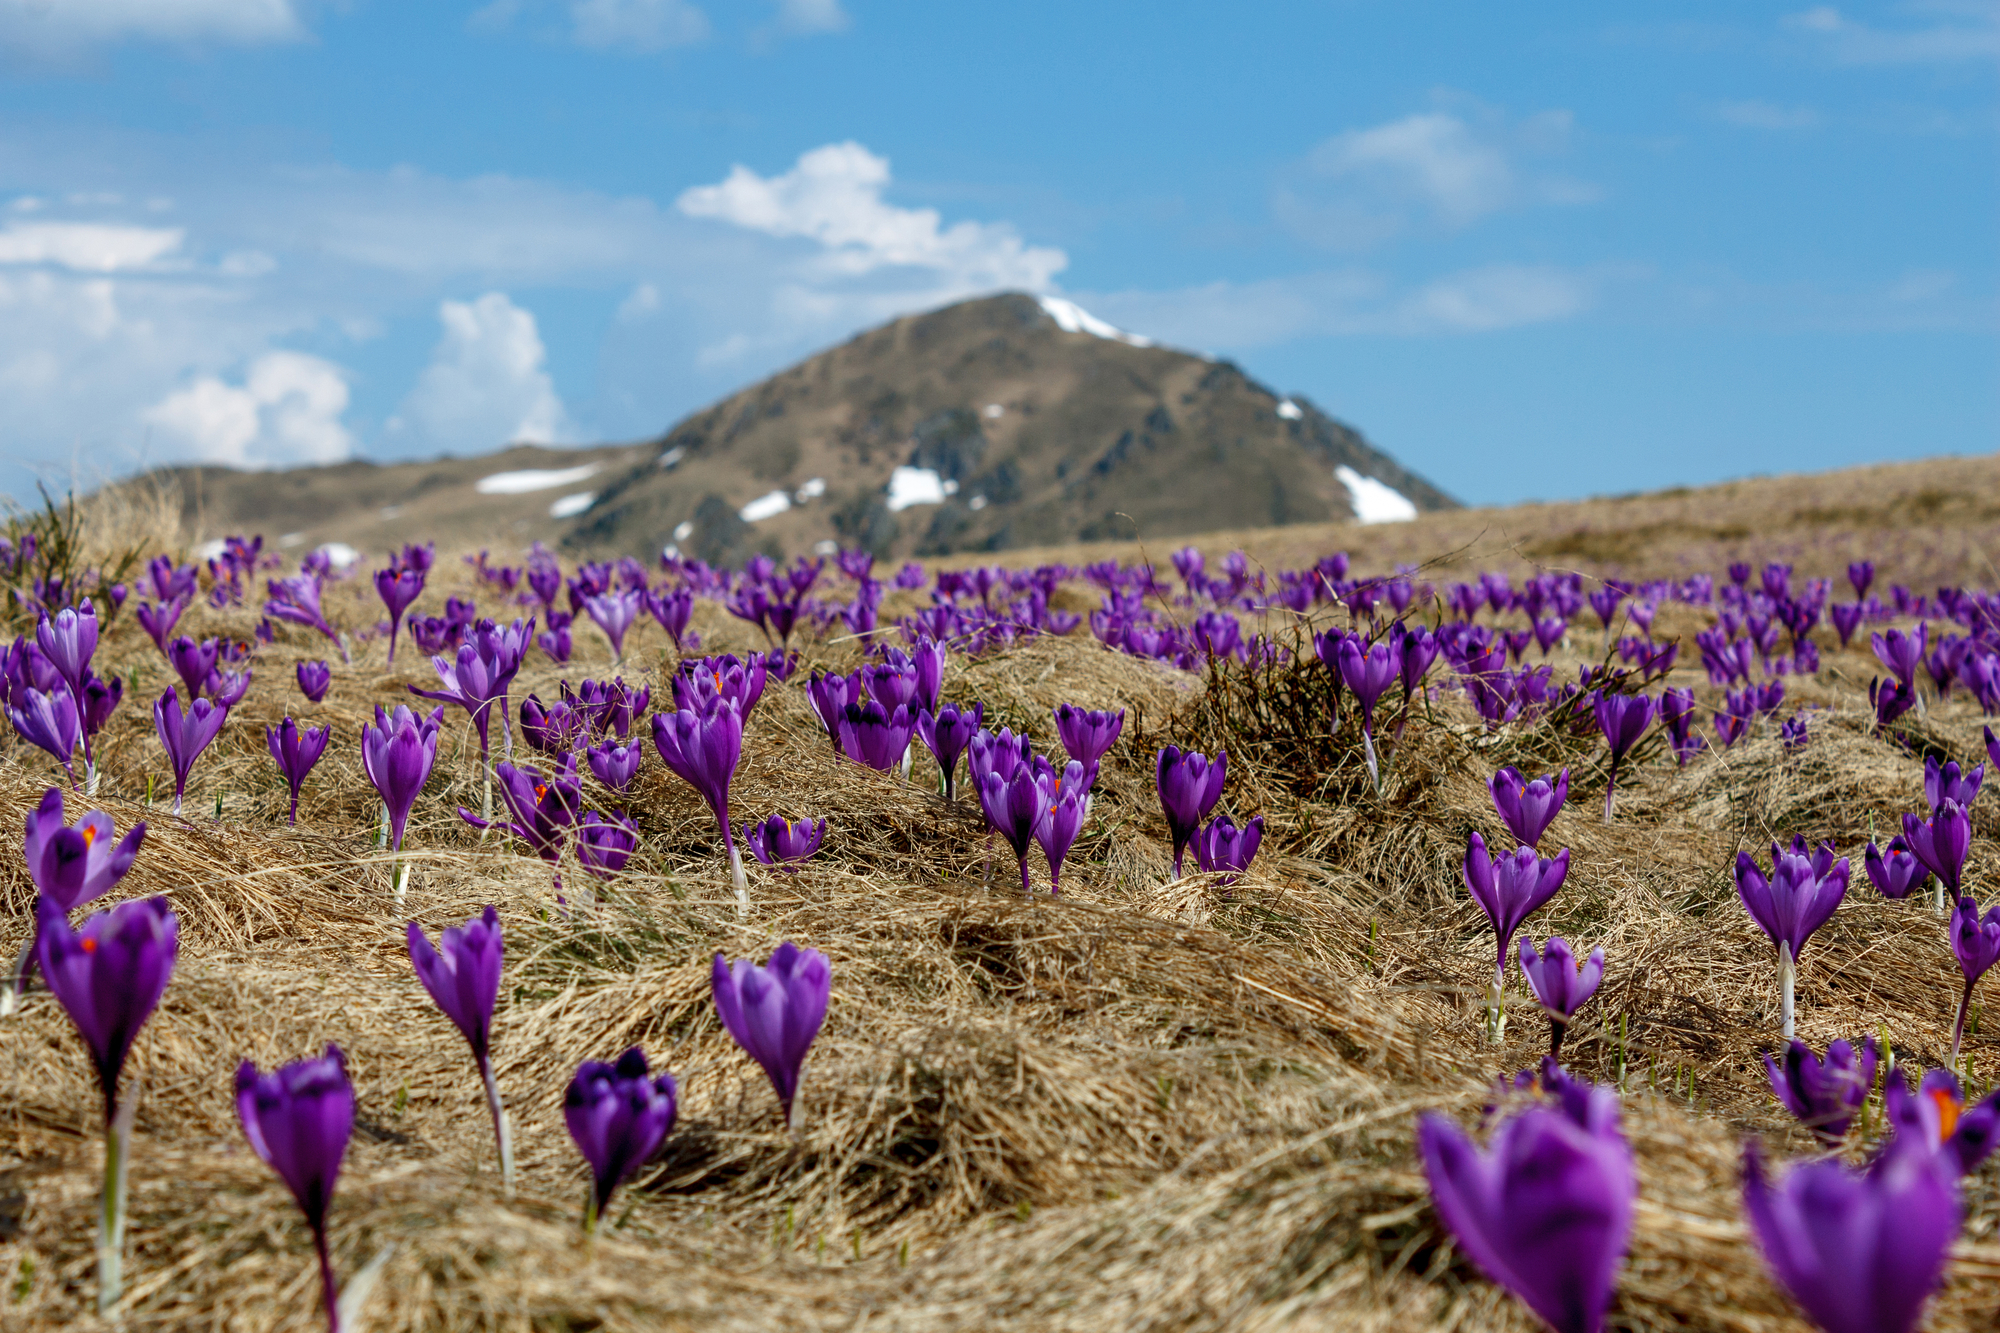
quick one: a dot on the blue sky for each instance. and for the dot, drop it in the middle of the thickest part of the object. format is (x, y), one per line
(1533, 251)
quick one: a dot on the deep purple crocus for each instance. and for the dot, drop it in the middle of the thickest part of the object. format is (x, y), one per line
(1901, 654)
(1798, 898)
(552, 729)
(397, 753)
(1528, 806)
(615, 763)
(775, 1011)
(1825, 1094)
(186, 735)
(1940, 843)
(159, 621)
(298, 1120)
(399, 589)
(698, 682)
(875, 736)
(1623, 718)
(1067, 797)
(74, 865)
(1975, 943)
(1368, 670)
(314, 680)
(1509, 889)
(605, 842)
(463, 979)
(1560, 983)
(1947, 783)
(1222, 847)
(1014, 805)
(829, 696)
(1860, 1251)
(1935, 1122)
(783, 843)
(614, 613)
(1895, 871)
(1546, 1210)
(49, 721)
(1087, 735)
(1189, 785)
(478, 679)
(543, 806)
(703, 750)
(192, 661)
(618, 1116)
(296, 749)
(227, 688)
(946, 734)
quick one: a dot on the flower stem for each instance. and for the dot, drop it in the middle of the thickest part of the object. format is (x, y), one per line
(1496, 1015)
(400, 878)
(329, 1289)
(1958, 1028)
(1368, 753)
(111, 1220)
(1788, 972)
(1027, 885)
(501, 1133)
(736, 877)
(1610, 791)
(1557, 1027)
(590, 1211)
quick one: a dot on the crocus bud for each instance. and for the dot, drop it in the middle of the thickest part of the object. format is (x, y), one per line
(618, 1116)
(775, 1011)
(783, 843)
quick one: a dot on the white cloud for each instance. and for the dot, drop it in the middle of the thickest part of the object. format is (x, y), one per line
(1363, 187)
(1756, 115)
(86, 246)
(804, 17)
(637, 25)
(1969, 30)
(486, 385)
(61, 27)
(286, 412)
(833, 195)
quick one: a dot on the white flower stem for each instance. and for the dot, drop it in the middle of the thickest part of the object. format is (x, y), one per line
(502, 1131)
(111, 1219)
(1788, 972)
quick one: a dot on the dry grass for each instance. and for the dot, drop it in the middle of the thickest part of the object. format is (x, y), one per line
(1145, 1106)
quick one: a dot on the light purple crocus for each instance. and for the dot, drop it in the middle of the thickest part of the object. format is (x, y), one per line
(193, 662)
(1947, 783)
(605, 842)
(1067, 797)
(703, 750)
(829, 695)
(1798, 898)
(186, 735)
(399, 589)
(1546, 1210)
(69, 640)
(477, 679)
(1860, 1251)
(783, 843)
(1623, 718)
(297, 600)
(1901, 654)
(1087, 735)
(298, 1120)
(1559, 982)
(71, 866)
(1975, 943)
(159, 621)
(1528, 806)
(1941, 843)
(775, 1011)
(618, 1115)
(946, 734)
(49, 721)
(1189, 785)
(1895, 871)
(1014, 805)
(614, 613)
(463, 979)
(615, 763)
(1825, 1094)
(1508, 889)
(700, 681)
(1222, 847)
(1368, 670)
(296, 749)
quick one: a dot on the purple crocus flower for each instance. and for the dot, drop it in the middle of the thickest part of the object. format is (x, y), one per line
(605, 842)
(71, 866)
(672, 610)
(1221, 846)
(397, 753)
(1861, 573)
(1941, 843)
(1560, 983)
(314, 679)
(1087, 736)
(554, 729)
(399, 589)
(611, 705)
(69, 640)
(1895, 872)
(1901, 654)
(618, 1115)
(543, 806)
(829, 695)
(1934, 1122)
(463, 978)
(1189, 785)
(296, 749)
(1975, 943)
(928, 655)
(1891, 699)
(946, 734)
(892, 684)
(298, 1120)
(1546, 1211)
(703, 749)
(227, 687)
(775, 1011)
(780, 843)
(1509, 889)
(1846, 618)
(615, 763)
(297, 600)
(1860, 1251)
(877, 737)
(1623, 718)
(1014, 803)
(700, 681)
(1824, 1094)
(1528, 806)
(1067, 797)
(614, 613)
(186, 735)
(48, 721)
(1795, 901)
(555, 641)
(1368, 670)
(159, 621)
(1946, 783)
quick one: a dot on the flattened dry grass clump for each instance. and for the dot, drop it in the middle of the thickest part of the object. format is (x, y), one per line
(1145, 1105)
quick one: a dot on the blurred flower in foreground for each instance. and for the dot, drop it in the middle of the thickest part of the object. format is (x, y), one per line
(1934, 1121)
(1823, 1094)
(618, 1115)
(298, 1120)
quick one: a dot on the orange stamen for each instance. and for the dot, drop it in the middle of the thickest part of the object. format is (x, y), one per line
(89, 945)
(1948, 1108)
(89, 832)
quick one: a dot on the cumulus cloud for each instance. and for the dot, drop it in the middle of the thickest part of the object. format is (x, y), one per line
(90, 247)
(801, 18)
(637, 25)
(487, 384)
(286, 412)
(1363, 187)
(833, 195)
(1969, 30)
(61, 27)
(1756, 115)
